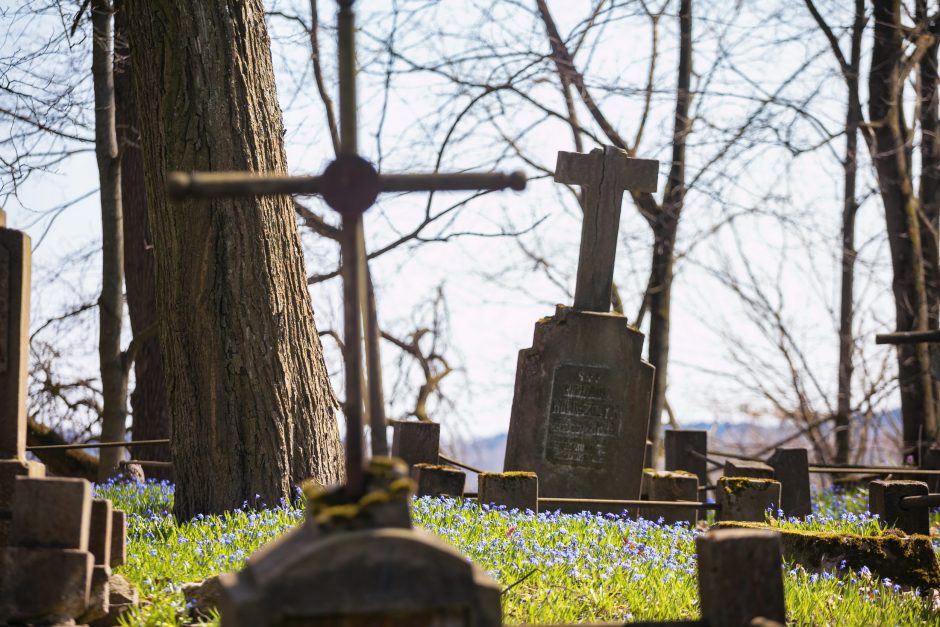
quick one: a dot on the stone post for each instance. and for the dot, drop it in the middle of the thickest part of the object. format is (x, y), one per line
(672, 486)
(118, 538)
(884, 499)
(46, 573)
(516, 490)
(416, 442)
(99, 544)
(791, 469)
(746, 499)
(744, 468)
(740, 577)
(15, 249)
(434, 480)
(681, 446)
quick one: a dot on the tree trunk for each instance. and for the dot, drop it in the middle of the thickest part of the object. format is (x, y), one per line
(849, 212)
(151, 413)
(666, 226)
(111, 302)
(251, 405)
(885, 86)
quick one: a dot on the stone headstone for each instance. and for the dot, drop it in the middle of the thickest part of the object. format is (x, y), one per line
(580, 410)
(677, 485)
(52, 513)
(360, 563)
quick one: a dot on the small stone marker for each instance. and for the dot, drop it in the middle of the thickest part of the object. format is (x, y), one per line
(884, 499)
(580, 411)
(791, 469)
(740, 577)
(434, 480)
(745, 499)
(681, 447)
(744, 468)
(360, 564)
(15, 251)
(118, 538)
(515, 490)
(671, 486)
(416, 442)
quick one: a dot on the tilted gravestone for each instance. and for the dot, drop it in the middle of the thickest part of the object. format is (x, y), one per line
(580, 411)
(14, 335)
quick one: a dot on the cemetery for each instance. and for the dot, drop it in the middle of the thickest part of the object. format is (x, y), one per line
(597, 516)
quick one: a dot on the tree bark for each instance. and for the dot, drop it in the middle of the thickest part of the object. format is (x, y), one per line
(111, 302)
(849, 211)
(893, 168)
(251, 405)
(151, 413)
(666, 226)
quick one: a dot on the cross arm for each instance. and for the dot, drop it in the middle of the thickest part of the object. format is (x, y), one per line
(229, 184)
(908, 337)
(635, 175)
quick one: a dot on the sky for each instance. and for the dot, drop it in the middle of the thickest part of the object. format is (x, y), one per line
(784, 199)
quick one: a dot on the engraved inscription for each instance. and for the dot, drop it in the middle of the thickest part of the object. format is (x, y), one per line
(4, 309)
(584, 420)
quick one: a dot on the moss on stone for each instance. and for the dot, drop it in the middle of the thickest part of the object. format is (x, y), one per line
(907, 560)
(667, 474)
(733, 485)
(442, 467)
(509, 475)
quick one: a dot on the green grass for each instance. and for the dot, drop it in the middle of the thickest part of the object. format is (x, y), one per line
(558, 568)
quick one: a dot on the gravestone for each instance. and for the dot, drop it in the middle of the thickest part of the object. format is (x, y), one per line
(791, 469)
(360, 564)
(686, 450)
(580, 411)
(15, 250)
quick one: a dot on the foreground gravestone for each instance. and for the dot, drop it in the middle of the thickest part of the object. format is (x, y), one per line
(580, 410)
(14, 334)
(359, 564)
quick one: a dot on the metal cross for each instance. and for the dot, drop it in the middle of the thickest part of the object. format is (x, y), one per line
(350, 185)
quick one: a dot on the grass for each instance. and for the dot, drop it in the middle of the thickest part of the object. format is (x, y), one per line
(558, 568)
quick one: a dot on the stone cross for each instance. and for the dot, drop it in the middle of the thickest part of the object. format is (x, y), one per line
(350, 185)
(604, 174)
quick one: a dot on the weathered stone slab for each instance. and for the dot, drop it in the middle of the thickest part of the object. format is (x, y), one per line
(744, 468)
(746, 499)
(44, 586)
(884, 499)
(909, 561)
(122, 596)
(740, 577)
(15, 250)
(791, 469)
(515, 490)
(580, 411)
(56, 513)
(416, 442)
(681, 447)
(435, 480)
(99, 595)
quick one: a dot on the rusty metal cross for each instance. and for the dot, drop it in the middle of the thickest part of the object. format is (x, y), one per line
(350, 185)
